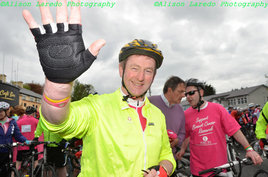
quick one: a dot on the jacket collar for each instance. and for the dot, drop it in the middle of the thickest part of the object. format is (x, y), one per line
(124, 104)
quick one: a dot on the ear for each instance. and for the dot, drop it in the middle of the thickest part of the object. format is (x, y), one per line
(202, 92)
(120, 69)
(169, 90)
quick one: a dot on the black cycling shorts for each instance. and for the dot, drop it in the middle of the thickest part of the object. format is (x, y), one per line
(56, 157)
(23, 154)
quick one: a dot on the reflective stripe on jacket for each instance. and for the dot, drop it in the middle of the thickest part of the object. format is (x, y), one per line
(113, 141)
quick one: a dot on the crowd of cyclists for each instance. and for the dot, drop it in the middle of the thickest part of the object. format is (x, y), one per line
(24, 130)
(20, 125)
(246, 115)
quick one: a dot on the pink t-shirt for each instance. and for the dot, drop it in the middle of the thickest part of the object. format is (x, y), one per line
(27, 125)
(207, 130)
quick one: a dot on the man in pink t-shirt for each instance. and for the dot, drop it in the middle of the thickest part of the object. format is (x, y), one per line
(206, 125)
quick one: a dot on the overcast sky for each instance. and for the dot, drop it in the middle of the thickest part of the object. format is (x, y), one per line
(225, 46)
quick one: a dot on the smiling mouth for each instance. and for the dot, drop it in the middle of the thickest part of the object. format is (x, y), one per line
(137, 84)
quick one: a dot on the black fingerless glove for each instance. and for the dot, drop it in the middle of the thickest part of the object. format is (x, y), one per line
(62, 54)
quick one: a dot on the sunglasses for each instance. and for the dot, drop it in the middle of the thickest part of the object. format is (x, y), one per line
(190, 93)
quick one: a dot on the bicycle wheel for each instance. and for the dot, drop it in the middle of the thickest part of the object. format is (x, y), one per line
(49, 171)
(13, 172)
(261, 173)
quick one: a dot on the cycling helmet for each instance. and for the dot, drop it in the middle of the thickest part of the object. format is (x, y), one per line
(239, 109)
(199, 85)
(250, 105)
(139, 47)
(142, 47)
(4, 106)
(196, 83)
(30, 110)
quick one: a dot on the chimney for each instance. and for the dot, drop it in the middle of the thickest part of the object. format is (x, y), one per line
(3, 78)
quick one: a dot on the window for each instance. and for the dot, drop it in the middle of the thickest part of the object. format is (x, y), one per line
(23, 97)
(232, 103)
(238, 100)
(31, 99)
(245, 100)
(38, 100)
(25, 105)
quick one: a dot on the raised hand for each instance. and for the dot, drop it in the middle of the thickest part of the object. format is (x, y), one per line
(61, 48)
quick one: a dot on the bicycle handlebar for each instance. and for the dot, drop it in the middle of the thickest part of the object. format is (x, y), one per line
(35, 143)
(227, 165)
(10, 145)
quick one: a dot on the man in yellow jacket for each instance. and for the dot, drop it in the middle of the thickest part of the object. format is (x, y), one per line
(261, 125)
(123, 133)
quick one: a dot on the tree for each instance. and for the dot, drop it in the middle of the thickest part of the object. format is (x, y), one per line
(209, 89)
(37, 88)
(82, 90)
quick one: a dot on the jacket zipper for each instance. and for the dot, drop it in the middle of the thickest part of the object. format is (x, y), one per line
(143, 136)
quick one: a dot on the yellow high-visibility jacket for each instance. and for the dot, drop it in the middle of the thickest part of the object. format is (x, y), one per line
(114, 144)
(261, 123)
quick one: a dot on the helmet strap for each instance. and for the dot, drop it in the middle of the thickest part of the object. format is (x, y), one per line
(200, 102)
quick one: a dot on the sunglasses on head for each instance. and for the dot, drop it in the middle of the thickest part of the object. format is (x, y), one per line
(190, 92)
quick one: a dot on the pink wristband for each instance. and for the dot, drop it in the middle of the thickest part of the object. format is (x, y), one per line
(57, 103)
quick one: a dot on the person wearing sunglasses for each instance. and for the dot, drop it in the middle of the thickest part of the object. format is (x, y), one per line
(206, 125)
(123, 133)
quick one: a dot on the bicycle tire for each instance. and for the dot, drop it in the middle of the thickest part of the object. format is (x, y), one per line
(261, 173)
(14, 170)
(75, 163)
(23, 171)
(49, 171)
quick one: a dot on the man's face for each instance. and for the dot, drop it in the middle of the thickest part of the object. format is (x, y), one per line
(139, 74)
(177, 94)
(252, 108)
(192, 95)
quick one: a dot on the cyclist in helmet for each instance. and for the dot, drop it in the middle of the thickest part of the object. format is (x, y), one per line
(123, 133)
(206, 125)
(8, 130)
(30, 110)
(27, 125)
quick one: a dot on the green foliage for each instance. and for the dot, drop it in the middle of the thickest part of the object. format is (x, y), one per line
(26, 86)
(81, 90)
(37, 88)
(209, 89)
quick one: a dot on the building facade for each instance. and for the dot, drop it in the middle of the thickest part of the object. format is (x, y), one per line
(25, 97)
